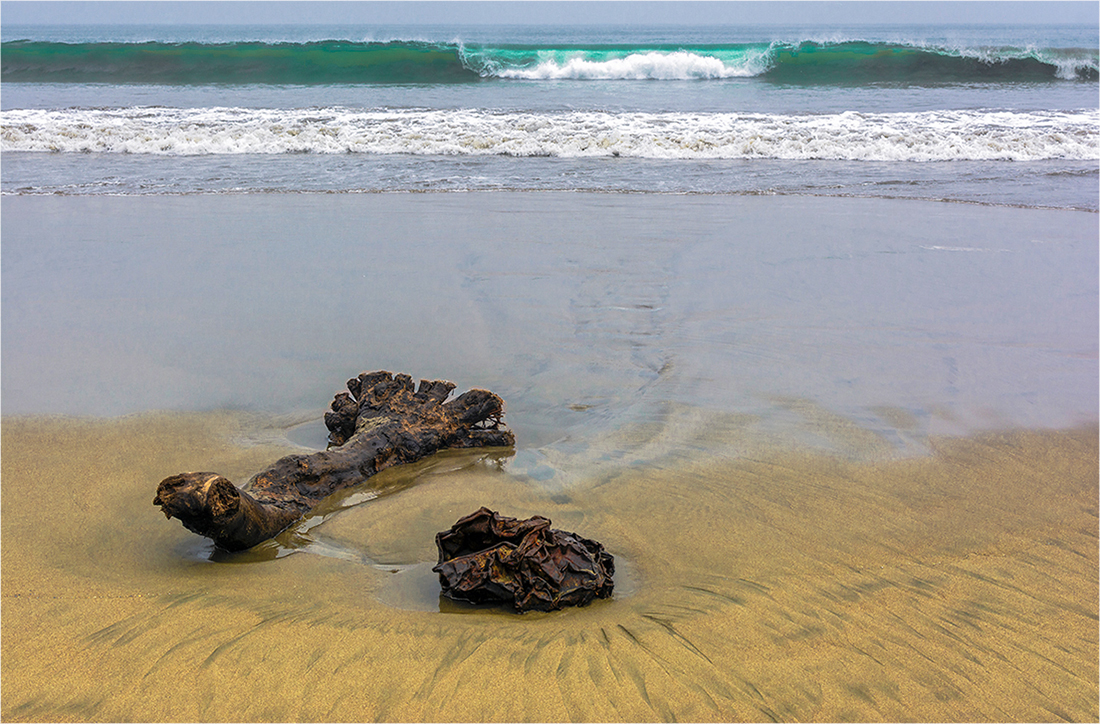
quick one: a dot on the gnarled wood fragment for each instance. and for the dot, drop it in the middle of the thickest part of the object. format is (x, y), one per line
(488, 557)
(382, 422)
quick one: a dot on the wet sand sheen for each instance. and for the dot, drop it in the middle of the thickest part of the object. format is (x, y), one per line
(771, 584)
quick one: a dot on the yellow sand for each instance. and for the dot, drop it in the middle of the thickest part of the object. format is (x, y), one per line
(760, 584)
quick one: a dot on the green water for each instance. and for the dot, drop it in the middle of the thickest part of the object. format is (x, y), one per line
(344, 62)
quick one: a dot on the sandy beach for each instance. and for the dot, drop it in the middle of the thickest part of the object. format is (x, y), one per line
(779, 585)
(792, 307)
(844, 451)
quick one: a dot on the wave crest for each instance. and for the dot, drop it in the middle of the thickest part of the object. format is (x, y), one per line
(346, 62)
(677, 65)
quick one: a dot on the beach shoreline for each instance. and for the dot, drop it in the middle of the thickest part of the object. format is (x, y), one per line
(967, 317)
(845, 451)
(784, 583)
(796, 317)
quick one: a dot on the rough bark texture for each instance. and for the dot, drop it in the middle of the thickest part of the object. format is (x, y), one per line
(382, 422)
(487, 557)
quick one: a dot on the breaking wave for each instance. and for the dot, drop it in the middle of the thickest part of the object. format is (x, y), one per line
(925, 136)
(347, 62)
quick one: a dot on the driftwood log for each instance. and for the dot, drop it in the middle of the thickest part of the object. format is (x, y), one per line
(384, 421)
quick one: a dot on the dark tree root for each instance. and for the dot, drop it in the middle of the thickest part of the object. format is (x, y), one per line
(381, 423)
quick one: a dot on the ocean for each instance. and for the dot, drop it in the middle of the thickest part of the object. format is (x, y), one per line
(998, 115)
(800, 323)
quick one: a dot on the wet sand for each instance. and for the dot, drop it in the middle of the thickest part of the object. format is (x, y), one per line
(844, 451)
(581, 310)
(776, 584)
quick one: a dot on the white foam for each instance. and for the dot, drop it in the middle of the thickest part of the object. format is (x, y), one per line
(850, 136)
(679, 65)
(963, 248)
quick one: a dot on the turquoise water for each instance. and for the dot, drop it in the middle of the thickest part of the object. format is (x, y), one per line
(347, 62)
(992, 114)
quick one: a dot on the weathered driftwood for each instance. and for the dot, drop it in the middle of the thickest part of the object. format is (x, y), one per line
(487, 557)
(382, 422)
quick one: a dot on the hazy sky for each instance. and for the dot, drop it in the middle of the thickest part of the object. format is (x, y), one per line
(452, 12)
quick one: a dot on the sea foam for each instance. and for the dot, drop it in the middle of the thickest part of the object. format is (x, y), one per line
(680, 65)
(924, 136)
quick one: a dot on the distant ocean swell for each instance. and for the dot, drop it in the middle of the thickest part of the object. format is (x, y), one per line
(345, 62)
(924, 136)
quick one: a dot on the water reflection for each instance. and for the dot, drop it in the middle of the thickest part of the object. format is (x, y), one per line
(305, 537)
(778, 583)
